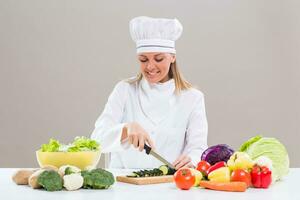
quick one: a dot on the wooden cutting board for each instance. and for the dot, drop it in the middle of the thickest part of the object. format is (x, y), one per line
(145, 180)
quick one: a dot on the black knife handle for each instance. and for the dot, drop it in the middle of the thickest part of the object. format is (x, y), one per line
(147, 148)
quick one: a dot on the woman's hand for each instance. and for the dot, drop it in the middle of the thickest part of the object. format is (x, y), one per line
(183, 161)
(136, 136)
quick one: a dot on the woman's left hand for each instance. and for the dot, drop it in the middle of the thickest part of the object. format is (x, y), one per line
(183, 161)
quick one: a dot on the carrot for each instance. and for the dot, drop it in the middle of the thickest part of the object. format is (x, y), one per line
(224, 186)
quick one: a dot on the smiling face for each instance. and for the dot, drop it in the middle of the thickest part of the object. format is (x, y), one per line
(155, 66)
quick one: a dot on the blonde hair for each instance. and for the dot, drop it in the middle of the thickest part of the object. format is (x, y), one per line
(180, 83)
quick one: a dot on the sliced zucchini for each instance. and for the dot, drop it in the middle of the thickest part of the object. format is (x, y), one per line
(167, 170)
(164, 169)
(171, 171)
(133, 175)
(147, 173)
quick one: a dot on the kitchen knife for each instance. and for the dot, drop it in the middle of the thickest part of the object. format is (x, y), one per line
(157, 156)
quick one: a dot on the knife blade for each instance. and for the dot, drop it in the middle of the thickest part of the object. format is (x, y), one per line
(157, 156)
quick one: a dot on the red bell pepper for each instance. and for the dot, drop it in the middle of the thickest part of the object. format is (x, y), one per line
(216, 166)
(261, 176)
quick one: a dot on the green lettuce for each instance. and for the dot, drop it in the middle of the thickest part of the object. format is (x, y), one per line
(271, 148)
(79, 144)
(52, 146)
(83, 144)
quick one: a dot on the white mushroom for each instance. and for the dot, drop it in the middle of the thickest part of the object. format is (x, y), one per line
(73, 181)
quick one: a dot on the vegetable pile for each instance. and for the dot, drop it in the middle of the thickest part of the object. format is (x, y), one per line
(79, 144)
(69, 177)
(258, 163)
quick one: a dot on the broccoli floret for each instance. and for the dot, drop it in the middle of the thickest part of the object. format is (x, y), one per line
(50, 180)
(97, 179)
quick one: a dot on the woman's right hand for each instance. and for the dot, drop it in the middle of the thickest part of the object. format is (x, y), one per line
(136, 136)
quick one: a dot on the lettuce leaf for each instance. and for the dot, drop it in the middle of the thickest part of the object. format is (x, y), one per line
(248, 143)
(79, 144)
(52, 146)
(83, 144)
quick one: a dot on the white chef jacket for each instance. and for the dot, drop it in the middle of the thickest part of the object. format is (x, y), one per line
(175, 122)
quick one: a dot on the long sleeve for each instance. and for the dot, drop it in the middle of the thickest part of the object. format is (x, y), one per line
(196, 135)
(108, 127)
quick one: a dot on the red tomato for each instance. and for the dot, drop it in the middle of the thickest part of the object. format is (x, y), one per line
(184, 178)
(241, 175)
(203, 166)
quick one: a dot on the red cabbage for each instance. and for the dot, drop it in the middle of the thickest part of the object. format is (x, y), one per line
(217, 153)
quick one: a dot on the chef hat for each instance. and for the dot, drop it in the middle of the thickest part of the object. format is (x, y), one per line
(155, 34)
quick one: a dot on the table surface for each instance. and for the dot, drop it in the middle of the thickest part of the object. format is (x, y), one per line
(287, 188)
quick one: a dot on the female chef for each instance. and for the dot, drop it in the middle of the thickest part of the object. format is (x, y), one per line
(157, 107)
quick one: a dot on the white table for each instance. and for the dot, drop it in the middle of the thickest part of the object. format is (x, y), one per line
(287, 189)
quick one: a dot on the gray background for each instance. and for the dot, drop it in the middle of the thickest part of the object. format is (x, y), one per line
(59, 61)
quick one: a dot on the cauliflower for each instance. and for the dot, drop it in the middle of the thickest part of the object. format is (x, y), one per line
(73, 181)
(68, 169)
(264, 161)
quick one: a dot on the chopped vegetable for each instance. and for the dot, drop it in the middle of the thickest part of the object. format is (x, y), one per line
(146, 173)
(164, 169)
(224, 186)
(97, 179)
(50, 180)
(167, 170)
(271, 148)
(217, 153)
